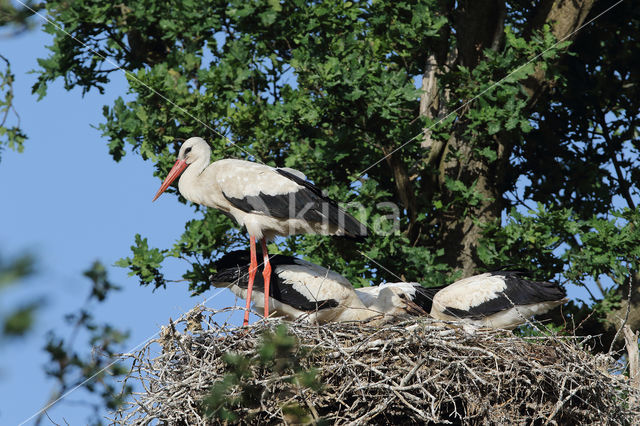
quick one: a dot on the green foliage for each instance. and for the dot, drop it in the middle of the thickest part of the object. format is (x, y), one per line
(10, 135)
(14, 19)
(330, 88)
(498, 78)
(145, 263)
(68, 365)
(20, 320)
(101, 285)
(278, 355)
(583, 252)
(563, 243)
(16, 269)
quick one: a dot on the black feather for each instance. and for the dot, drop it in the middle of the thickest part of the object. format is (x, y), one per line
(306, 203)
(338, 217)
(523, 292)
(518, 292)
(423, 296)
(234, 268)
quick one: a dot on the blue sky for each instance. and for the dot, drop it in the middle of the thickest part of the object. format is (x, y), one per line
(66, 201)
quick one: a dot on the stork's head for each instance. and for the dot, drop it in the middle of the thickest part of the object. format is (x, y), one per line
(394, 301)
(192, 150)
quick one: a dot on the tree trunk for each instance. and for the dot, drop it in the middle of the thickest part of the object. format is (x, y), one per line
(628, 313)
(479, 26)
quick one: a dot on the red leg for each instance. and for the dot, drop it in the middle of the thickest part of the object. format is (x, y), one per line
(266, 274)
(253, 267)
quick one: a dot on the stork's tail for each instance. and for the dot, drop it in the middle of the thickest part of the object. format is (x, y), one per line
(549, 291)
(352, 228)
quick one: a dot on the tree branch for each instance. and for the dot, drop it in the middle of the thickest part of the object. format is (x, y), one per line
(404, 189)
(622, 182)
(564, 17)
(631, 340)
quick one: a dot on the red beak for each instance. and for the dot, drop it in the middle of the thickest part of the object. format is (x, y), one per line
(175, 171)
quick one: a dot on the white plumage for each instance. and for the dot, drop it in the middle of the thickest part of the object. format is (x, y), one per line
(268, 201)
(501, 299)
(301, 290)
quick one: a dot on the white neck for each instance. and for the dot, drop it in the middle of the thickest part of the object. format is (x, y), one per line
(189, 181)
(385, 305)
(360, 312)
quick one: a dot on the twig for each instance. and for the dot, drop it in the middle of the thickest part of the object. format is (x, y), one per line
(411, 372)
(626, 317)
(631, 340)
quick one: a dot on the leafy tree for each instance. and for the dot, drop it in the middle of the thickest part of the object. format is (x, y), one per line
(13, 20)
(521, 113)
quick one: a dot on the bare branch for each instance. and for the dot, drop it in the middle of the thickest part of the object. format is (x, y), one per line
(631, 340)
(411, 372)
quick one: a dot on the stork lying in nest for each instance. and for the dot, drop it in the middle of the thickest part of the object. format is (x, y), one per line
(303, 290)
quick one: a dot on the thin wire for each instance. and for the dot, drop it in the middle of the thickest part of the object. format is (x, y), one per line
(49, 405)
(485, 91)
(425, 295)
(118, 359)
(380, 265)
(134, 77)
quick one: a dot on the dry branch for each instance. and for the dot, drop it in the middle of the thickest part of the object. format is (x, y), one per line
(403, 373)
(631, 340)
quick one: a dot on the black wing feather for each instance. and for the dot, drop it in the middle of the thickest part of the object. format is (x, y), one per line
(423, 296)
(234, 268)
(307, 203)
(336, 215)
(518, 292)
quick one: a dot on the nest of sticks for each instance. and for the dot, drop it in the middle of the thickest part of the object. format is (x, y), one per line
(412, 372)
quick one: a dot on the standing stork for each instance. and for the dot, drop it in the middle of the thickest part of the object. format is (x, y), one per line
(501, 299)
(303, 290)
(268, 201)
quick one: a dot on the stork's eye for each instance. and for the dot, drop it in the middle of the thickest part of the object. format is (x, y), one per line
(187, 151)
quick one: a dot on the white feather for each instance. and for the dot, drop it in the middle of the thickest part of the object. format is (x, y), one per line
(207, 184)
(469, 292)
(294, 172)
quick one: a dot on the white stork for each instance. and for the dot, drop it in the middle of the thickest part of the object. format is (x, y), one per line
(303, 290)
(419, 295)
(268, 201)
(501, 299)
